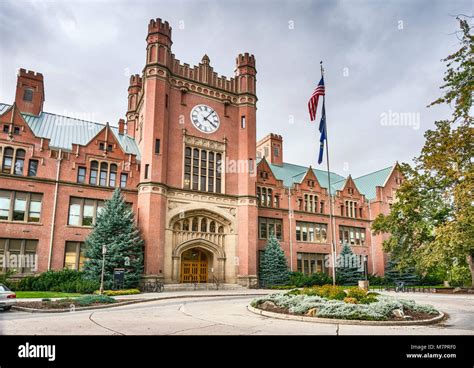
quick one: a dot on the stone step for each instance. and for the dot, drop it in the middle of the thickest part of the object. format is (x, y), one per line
(208, 286)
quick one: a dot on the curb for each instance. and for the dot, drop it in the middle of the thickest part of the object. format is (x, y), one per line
(292, 317)
(119, 304)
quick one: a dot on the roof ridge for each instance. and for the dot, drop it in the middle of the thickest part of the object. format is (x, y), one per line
(385, 168)
(63, 116)
(306, 168)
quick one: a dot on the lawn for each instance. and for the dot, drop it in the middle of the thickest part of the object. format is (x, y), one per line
(44, 294)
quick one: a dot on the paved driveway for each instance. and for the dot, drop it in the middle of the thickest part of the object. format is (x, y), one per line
(220, 315)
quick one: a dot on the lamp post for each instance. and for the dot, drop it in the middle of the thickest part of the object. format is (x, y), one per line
(104, 251)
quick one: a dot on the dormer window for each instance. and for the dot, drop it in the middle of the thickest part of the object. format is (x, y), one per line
(6, 128)
(28, 95)
(350, 190)
(16, 130)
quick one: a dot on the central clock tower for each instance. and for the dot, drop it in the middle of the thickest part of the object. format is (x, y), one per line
(197, 137)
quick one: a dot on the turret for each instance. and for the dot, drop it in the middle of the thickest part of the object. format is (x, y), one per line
(245, 72)
(158, 42)
(271, 147)
(29, 97)
(134, 90)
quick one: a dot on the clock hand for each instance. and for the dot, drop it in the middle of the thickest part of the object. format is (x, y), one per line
(209, 115)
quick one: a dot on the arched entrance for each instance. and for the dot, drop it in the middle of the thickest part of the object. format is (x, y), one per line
(194, 266)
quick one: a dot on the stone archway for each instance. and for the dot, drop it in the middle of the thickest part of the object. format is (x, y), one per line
(214, 262)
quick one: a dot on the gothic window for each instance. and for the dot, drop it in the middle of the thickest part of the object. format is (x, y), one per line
(204, 225)
(202, 170)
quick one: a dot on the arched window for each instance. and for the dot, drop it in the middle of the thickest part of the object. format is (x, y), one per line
(113, 175)
(195, 224)
(7, 160)
(177, 226)
(186, 225)
(204, 225)
(221, 229)
(212, 227)
(103, 174)
(19, 162)
(94, 170)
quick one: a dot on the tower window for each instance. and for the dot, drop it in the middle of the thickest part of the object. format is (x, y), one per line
(243, 122)
(28, 94)
(276, 151)
(16, 130)
(166, 101)
(146, 170)
(6, 128)
(157, 146)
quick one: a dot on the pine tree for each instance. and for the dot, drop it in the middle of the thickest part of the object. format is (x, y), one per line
(273, 265)
(116, 229)
(348, 270)
(394, 274)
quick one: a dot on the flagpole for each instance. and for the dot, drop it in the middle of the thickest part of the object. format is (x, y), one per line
(332, 229)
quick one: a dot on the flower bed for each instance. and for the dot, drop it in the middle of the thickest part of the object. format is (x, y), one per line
(84, 301)
(353, 304)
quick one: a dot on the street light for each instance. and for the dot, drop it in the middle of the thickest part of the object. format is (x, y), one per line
(104, 251)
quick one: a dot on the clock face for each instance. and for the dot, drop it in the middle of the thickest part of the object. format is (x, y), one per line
(205, 119)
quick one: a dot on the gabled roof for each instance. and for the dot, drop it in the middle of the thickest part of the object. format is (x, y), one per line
(64, 131)
(367, 183)
(291, 174)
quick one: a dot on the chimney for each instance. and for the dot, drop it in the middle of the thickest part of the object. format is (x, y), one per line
(121, 126)
(271, 147)
(29, 97)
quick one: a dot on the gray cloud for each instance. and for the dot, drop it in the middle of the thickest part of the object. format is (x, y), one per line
(87, 49)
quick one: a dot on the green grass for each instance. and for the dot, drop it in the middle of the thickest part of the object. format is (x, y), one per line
(44, 294)
(410, 286)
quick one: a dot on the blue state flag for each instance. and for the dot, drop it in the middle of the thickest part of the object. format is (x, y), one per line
(322, 130)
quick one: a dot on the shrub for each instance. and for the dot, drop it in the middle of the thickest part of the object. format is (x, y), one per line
(381, 309)
(356, 293)
(66, 280)
(351, 300)
(119, 292)
(294, 292)
(282, 287)
(93, 299)
(375, 280)
(301, 280)
(326, 291)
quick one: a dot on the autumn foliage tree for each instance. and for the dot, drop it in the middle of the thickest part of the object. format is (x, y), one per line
(432, 221)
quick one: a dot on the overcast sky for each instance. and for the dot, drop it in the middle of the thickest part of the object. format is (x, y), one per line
(381, 58)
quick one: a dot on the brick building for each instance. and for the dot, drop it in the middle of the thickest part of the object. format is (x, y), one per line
(205, 193)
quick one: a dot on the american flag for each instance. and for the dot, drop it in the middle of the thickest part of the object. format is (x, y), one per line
(313, 101)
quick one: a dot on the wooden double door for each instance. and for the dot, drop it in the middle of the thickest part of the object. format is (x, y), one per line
(194, 266)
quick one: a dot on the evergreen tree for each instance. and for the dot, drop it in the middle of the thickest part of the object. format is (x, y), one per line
(116, 229)
(394, 274)
(273, 265)
(348, 271)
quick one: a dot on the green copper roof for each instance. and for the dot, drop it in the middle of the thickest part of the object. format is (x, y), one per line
(64, 131)
(367, 183)
(290, 174)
